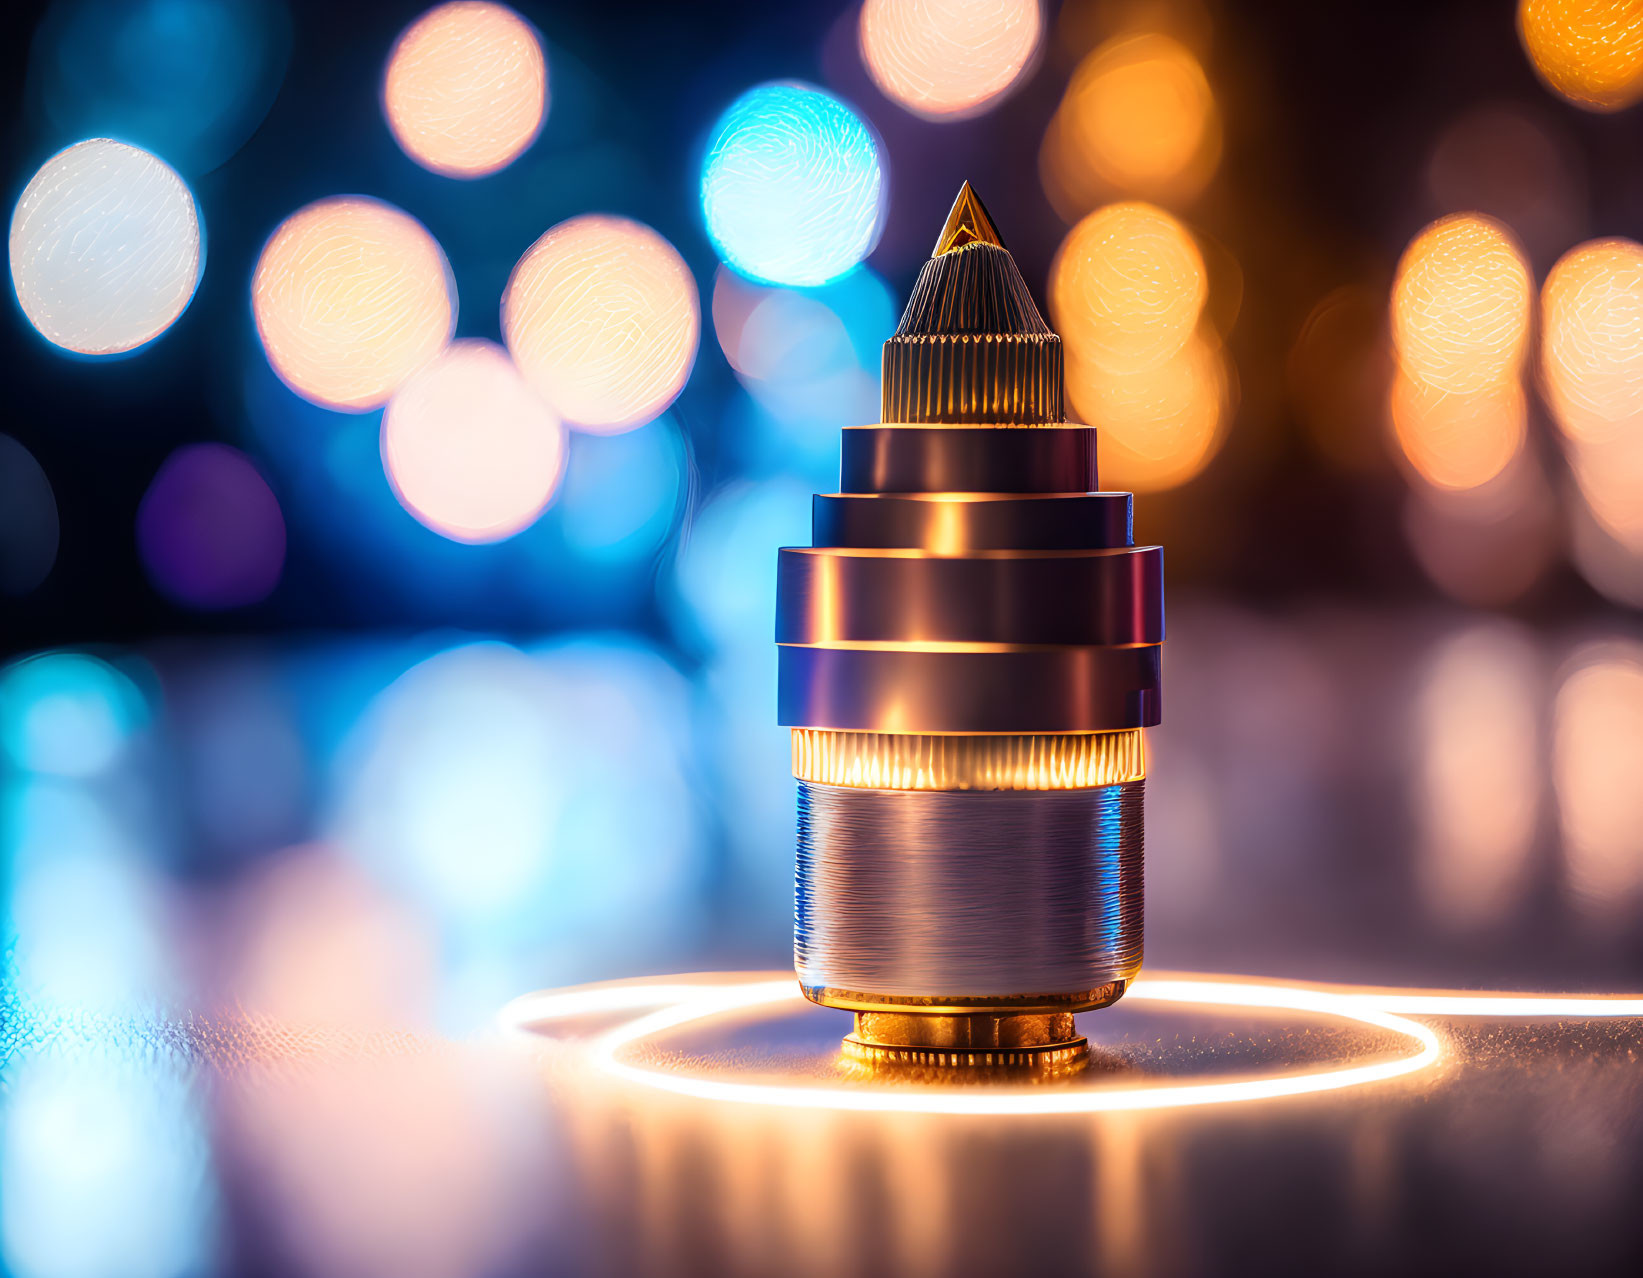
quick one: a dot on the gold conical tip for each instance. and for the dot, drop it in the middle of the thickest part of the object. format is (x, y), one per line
(968, 223)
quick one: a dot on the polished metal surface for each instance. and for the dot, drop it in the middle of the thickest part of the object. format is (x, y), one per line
(1002, 689)
(1109, 598)
(945, 897)
(968, 458)
(956, 523)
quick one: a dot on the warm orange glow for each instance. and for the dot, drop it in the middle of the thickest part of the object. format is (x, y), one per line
(1127, 287)
(466, 88)
(1597, 760)
(601, 315)
(351, 296)
(1160, 425)
(894, 761)
(1458, 441)
(948, 59)
(1592, 340)
(1590, 51)
(470, 449)
(1460, 305)
(1477, 737)
(1138, 116)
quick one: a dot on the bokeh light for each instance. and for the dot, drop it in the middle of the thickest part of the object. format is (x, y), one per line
(1138, 117)
(602, 316)
(1160, 424)
(1592, 378)
(66, 713)
(316, 943)
(351, 296)
(536, 805)
(87, 914)
(1458, 440)
(107, 1168)
(1597, 757)
(1461, 302)
(28, 520)
(466, 88)
(106, 248)
(1477, 735)
(948, 59)
(1592, 339)
(209, 530)
(1461, 305)
(794, 187)
(186, 79)
(1590, 51)
(1127, 288)
(470, 449)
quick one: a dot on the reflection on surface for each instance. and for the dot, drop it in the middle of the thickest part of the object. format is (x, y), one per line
(258, 880)
(677, 1183)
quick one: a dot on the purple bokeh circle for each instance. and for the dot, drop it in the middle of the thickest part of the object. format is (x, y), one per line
(209, 530)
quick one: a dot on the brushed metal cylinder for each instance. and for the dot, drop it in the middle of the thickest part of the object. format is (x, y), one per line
(968, 901)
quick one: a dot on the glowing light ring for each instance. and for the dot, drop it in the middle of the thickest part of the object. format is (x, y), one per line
(701, 1002)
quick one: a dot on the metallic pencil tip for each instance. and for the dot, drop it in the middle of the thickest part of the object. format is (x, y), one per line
(968, 223)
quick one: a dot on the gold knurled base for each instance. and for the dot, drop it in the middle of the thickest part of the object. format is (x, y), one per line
(1055, 1061)
(967, 1047)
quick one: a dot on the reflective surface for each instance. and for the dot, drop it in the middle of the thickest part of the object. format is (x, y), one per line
(264, 902)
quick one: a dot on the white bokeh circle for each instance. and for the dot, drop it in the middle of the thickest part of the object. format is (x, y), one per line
(105, 247)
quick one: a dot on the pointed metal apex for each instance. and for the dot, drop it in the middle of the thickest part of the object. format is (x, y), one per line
(968, 223)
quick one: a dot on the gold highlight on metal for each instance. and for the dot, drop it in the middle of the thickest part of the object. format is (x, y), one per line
(968, 223)
(971, 348)
(1006, 761)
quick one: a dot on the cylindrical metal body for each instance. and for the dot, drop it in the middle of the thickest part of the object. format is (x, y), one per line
(969, 655)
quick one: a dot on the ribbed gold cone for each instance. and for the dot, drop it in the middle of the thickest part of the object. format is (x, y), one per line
(971, 348)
